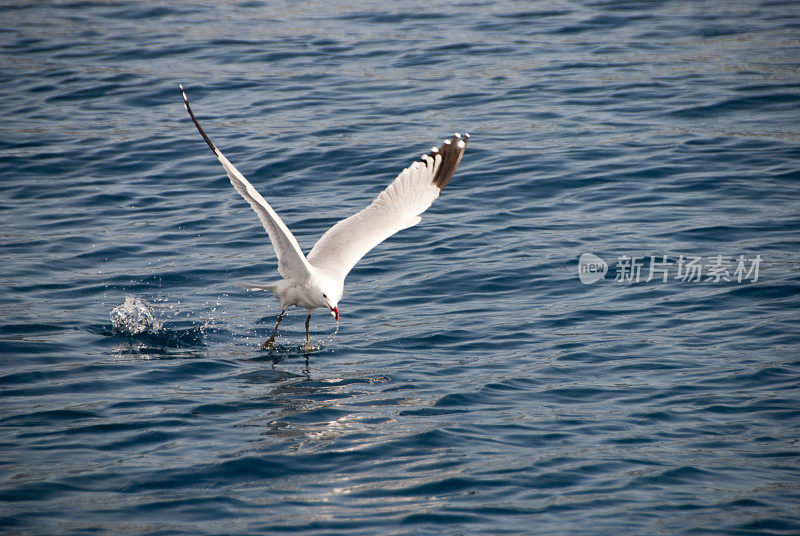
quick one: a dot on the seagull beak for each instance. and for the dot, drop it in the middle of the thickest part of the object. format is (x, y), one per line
(335, 313)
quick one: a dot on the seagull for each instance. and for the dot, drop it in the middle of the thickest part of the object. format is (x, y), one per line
(317, 280)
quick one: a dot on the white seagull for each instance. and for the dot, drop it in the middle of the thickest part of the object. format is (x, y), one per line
(318, 279)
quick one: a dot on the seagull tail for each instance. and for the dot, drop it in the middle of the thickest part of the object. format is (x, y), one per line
(271, 288)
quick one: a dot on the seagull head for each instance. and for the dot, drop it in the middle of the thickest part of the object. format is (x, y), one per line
(327, 294)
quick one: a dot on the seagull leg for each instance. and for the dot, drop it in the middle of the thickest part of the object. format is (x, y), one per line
(271, 341)
(308, 335)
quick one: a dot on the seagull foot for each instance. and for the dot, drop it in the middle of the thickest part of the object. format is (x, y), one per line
(269, 343)
(307, 347)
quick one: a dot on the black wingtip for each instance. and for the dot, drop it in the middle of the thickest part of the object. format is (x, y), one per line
(194, 119)
(451, 151)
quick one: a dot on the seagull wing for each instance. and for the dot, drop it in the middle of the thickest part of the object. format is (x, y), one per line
(291, 261)
(396, 208)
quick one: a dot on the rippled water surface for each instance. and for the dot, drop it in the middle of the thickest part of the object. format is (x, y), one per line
(475, 385)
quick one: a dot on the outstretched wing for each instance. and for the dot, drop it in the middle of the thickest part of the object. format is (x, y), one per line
(291, 261)
(396, 208)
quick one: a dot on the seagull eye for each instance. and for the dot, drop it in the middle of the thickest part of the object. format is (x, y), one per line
(323, 295)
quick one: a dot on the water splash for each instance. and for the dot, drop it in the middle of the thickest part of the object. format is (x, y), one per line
(145, 328)
(329, 339)
(134, 317)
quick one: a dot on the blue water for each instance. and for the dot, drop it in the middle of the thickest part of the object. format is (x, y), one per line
(476, 385)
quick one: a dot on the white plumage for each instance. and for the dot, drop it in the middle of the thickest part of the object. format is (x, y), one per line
(318, 280)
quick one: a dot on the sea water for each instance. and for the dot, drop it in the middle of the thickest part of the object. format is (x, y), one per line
(482, 380)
